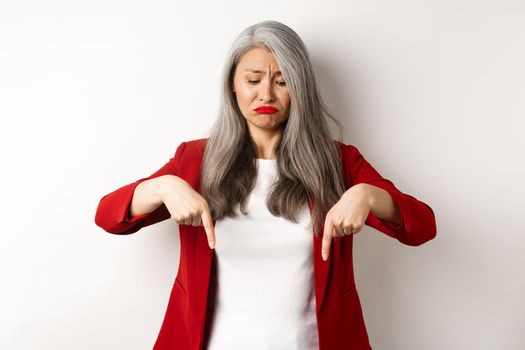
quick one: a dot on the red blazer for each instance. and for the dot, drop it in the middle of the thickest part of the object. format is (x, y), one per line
(340, 320)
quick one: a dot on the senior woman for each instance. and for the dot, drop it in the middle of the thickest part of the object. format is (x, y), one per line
(267, 207)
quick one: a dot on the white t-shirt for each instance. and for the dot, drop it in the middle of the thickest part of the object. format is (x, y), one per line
(265, 277)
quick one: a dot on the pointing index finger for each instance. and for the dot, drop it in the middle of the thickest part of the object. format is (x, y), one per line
(327, 239)
(207, 222)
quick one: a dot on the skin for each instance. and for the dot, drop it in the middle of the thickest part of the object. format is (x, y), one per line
(349, 214)
(254, 89)
(264, 88)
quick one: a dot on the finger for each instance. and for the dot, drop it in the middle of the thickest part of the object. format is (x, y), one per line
(196, 221)
(340, 231)
(327, 239)
(207, 222)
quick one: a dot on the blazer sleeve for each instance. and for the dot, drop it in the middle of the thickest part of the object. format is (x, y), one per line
(113, 211)
(418, 220)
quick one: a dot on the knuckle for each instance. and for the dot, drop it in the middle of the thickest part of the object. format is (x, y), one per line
(194, 211)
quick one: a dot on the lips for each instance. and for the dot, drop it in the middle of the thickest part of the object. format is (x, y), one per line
(266, 110)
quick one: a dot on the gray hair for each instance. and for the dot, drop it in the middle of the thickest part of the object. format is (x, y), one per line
(308, 160)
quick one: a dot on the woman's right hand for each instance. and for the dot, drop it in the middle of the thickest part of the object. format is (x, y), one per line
(187, 206)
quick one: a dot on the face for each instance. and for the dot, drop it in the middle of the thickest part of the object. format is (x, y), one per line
(258, 82)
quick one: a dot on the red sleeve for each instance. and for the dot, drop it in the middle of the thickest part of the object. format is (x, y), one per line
(418, 220)
(113, 209)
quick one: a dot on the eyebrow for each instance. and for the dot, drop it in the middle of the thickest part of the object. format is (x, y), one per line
(260, 71)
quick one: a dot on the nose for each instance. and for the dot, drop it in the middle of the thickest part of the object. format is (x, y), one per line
(266, 92)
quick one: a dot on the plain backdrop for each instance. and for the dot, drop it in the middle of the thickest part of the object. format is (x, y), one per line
(97, 94)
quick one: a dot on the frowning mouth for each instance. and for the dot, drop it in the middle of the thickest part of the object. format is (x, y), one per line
(266, 110)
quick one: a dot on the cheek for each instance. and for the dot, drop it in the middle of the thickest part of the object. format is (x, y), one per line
(244, 94)
(243, 100)
(286, 100)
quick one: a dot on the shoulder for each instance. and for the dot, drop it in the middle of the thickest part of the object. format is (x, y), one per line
(193, 145)
(196, 142)
(347, 150)
(191, 149)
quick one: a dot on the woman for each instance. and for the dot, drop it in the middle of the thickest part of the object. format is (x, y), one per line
(267, 207)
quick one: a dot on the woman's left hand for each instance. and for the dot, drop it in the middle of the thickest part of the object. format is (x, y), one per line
(347, 216)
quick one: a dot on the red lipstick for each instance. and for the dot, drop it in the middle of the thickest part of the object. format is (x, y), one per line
(266, 110)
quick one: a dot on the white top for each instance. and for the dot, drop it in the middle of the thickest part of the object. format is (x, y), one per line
(265, 291)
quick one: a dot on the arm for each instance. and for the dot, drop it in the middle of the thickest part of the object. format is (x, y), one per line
(148, 196)
(381, 204)
(114, 211)
(416, 224)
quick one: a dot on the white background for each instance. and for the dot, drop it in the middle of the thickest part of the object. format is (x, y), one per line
(97, 94)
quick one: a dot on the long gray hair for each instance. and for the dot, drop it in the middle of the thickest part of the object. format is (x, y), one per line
(308, 160)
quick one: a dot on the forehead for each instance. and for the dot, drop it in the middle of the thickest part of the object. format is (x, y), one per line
(258, 60)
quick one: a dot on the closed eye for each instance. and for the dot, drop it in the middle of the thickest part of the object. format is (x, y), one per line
(282, 83)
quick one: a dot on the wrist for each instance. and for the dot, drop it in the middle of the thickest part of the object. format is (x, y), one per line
(363, 190)
(160, 187)
(370, 193)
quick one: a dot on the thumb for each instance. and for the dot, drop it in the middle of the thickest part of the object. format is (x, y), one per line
(207, 222)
